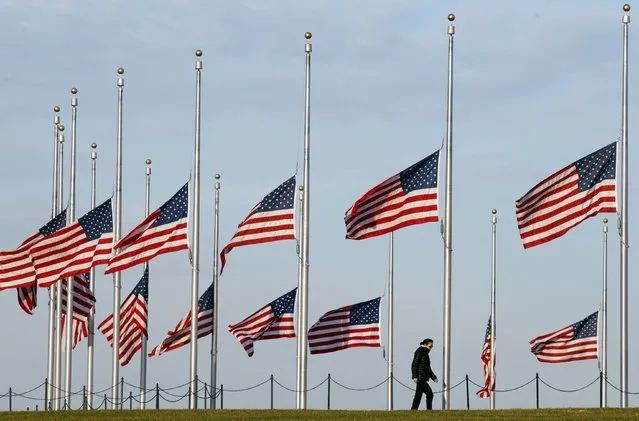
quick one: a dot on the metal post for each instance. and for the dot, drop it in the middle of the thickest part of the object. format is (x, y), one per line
(195, 274)
(91, 320)
(493, 309)
(467, 393)
(58, 309)
(624, 215)
(143, 350)
(52, 289)
(117, 232)
(216, 278)
(537, 389)
(328, 404)
(69, 315)
(222, 396)
(298, 319)
(121, 392)
(271, 391)
(84, 398)
(46, 393)
(391, 257)
(303, 293)
(604, 319)
(10, 399)
(157, 396)
(448, 221)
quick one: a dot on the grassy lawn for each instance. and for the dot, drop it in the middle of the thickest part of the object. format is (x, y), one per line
(312, 415)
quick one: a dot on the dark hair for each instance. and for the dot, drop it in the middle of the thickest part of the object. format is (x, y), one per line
(426, 341)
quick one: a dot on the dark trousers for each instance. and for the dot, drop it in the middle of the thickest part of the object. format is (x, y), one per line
(423, 387)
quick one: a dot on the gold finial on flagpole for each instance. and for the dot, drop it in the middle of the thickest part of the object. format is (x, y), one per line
(626, 7)
(60, 127)
(605, 220)
(94, 145)
(198, 53)
(148, 162)
(120, 71)
(74, 91)
(56, 109)
(451, 17)
(308, 35)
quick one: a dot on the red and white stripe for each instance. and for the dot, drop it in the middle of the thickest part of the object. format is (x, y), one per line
(333, 332)
(28, 298)
(489, 371)
(83, 298)
(16, 267)
(386, 208)
(133, 327)
(181, 335)
(558, 347)
(262, 325)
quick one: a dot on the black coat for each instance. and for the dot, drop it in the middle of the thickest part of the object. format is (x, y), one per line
(421, 365)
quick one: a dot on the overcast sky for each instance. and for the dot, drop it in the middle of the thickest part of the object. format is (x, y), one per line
(537, 86)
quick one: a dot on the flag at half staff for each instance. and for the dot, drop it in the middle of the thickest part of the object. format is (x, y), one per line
(274, 320)
(346, 327)
(272, 219)
(83, 303)
(489, 370)
(407, 198)
(164, 231)
(75, 249)
(573, 343)
(133, 321)
(181, 334)
(565, 199)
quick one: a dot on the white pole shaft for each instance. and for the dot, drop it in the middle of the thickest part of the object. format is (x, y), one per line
(298, 318)
(216, 289)
(493, 301)
(143, 351)
(91, 320)
(58, 310)
(391, 257)
(604, 321)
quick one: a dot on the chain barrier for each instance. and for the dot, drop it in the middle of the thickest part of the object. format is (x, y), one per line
(505, 390)
(570, 390)
(619, 390)
(357, 389)
(248, 388)
(295, 390)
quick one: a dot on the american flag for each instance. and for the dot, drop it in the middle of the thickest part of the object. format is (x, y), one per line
(274, 320)
(272, 219)
(489, 371)
(75, 249)
(405, 199)
(573, 343)
(28, 298)
(164, 231)
(16, 267)
(346, 327)
(568, 197)
(133, 321)
(83, 303)
(181, 334)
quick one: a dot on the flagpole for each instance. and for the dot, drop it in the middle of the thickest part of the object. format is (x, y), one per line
(305, 225)
(143, 356)
(52, 289)
(604, 318)
(195, 274)
(91, 321)
(298, 319)
(448, 221)
(58, 310)
(117, 232)
(493, 310)
(391, 257)
(216, 289)
(69, 315)
(624, 214)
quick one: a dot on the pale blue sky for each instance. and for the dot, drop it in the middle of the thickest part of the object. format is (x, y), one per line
(537, 86)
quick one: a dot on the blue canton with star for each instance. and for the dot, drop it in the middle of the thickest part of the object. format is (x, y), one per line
(283, 197)
(206, 300)
(142, 288)
(597, 167)
(57, 223)
(284, 304)
(422, 175)
(587, 328)
(365, 313)
(97, 221)
(175, 208)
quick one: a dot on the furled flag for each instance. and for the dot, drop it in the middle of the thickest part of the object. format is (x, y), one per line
(272, 219)
(181, 334)
(75, 249)
(274, 320)
(346, 327)
(83, 303)
(164, 231)
(405, 199)
(573, 343)
(568, 197)
(16, 267)
(133, 321)
(489, 370)
(28, 298)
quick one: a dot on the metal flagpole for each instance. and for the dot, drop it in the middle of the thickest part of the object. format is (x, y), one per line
(448, 220)
(58, 310)
(624, 214)
(604, 318)
(493, 310)
(298, 319)
(143, 356)
(52, 289)
(216, 289)
(71, 217)
(305, 224)
(91, 320)
(391, 258)
(117, 232)
(195, 274)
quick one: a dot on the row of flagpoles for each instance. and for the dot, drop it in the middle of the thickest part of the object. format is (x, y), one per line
(357, 226)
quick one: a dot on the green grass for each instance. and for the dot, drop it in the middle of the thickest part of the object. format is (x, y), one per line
(312, 415)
